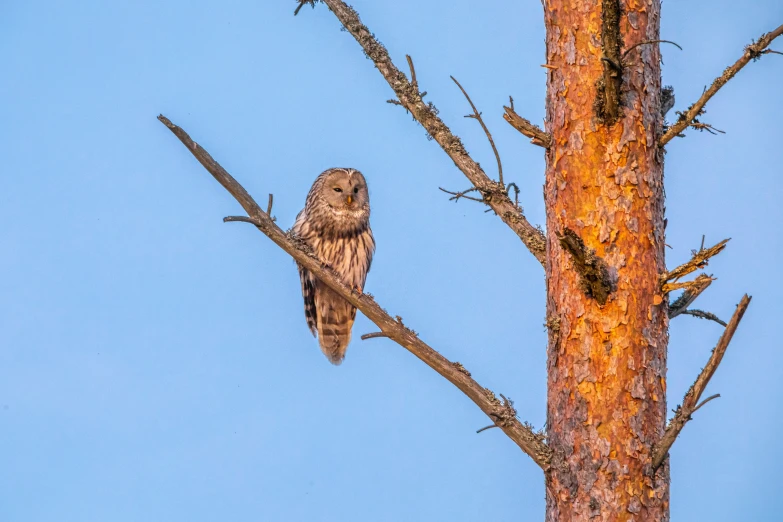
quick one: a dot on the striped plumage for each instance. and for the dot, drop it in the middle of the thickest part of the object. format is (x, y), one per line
(335, 223)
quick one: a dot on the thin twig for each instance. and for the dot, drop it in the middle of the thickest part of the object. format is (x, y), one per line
(699, 126)
(269, 206)
(701, 314)
(302, 3)
(457, 195)
(516, 192)
(523, 436)
(374, 335)
(532, 131)
(691, 401)
(649, 42)
(426, 114)
(477, 116)
(485, 428)
(752, 52)
(241, 219)
(414, 83)
(705, 401)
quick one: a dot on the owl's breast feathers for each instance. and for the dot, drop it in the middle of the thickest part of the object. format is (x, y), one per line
(346, 244)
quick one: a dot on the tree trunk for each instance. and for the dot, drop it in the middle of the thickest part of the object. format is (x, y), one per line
(604, 186)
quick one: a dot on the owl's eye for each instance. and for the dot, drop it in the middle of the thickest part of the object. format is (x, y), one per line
(356, 190)
(338, 189)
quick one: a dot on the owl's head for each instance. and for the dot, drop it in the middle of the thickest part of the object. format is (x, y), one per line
(345, 189)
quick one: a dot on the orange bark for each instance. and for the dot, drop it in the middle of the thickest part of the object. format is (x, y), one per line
(604, 181)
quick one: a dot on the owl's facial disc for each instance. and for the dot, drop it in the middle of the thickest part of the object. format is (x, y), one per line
(346, 190)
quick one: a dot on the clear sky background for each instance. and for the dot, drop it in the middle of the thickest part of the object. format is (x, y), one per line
(154, 362)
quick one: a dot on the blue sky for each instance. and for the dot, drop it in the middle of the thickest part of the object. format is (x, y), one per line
(154, 361)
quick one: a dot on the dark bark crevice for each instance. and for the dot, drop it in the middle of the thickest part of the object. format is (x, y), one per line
(594, 274)
(607, 101)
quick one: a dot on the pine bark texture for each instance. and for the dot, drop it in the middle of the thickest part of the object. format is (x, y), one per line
(604, 182)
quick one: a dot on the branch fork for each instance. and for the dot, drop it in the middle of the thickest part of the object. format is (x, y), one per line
(700, 259)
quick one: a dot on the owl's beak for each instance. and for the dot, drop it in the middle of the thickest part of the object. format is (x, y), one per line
(349, 199)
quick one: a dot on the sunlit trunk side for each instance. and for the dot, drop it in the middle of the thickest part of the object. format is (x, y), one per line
(604, 181)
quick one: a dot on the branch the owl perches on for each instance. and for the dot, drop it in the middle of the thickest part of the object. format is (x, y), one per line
(530, 442)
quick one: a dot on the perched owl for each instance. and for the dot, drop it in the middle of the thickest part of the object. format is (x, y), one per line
(336, 224)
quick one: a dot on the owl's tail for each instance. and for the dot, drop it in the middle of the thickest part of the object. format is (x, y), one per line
(335, 320)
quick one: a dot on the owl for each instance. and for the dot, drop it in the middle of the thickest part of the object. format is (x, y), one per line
(335, 223)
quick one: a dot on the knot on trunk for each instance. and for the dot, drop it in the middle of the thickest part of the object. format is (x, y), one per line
(593, 272)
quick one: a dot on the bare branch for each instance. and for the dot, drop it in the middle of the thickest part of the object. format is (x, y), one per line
(699, 260)
(687, 285)
(649, 42)
(752, 52)
(502, 413)
(532, 131)
(495, 194)
(691, 401)
(682, 303)
(701, 314)
(477, 116)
